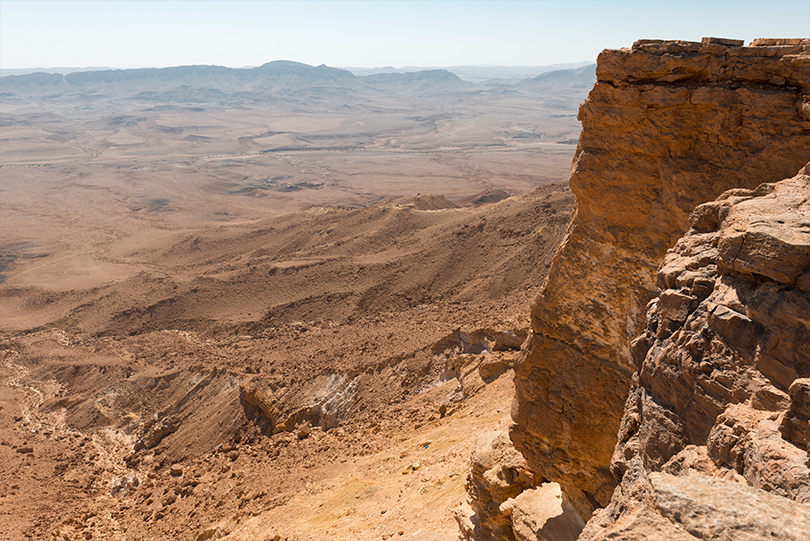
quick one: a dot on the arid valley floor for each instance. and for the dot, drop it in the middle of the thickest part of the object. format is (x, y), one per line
(281, 313)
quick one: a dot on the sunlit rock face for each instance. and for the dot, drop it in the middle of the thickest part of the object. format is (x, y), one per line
(723, 382)
(668, 125)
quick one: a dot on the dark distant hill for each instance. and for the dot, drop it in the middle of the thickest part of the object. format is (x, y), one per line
(277, 79)
(288, 71)
(185, 83)
(420, 81)
(583, 77)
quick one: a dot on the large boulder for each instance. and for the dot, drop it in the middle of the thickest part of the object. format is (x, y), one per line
(497, 474)
(544, 514)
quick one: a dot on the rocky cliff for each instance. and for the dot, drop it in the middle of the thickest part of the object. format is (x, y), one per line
(668, 125)
(717, 417)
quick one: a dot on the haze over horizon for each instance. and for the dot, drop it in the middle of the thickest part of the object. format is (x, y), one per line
(369, 34)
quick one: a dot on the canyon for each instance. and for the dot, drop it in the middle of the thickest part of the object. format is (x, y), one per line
(202, 350)
(285, 312)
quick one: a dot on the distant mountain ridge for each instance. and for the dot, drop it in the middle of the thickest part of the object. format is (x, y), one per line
(278, 77)
(60, 69)
(582, 77)
(476, 74)
(420, 80)
(212, 74)
(284, 79)
(471, 73)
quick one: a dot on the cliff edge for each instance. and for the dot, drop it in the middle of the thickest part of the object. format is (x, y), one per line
(668, 125)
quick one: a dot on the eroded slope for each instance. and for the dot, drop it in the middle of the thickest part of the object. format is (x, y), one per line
(252, 369)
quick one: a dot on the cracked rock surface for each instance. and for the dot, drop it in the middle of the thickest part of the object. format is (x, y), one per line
(714, 435)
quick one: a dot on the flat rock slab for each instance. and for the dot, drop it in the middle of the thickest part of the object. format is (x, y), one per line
(711, 508)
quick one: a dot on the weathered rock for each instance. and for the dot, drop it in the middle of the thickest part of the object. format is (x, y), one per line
(505, 340)
(479, 341)
(543, 514)
(157, 428)
(492, 367)
(497, 473)
(796, 423)
(766, 241)
(323, 401)
(667, 126)
(711, 508)
(304, 431)
(643, 524)
(725, 390)
(503, 505)
(469, 524)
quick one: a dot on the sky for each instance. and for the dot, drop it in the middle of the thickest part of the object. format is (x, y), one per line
(371, 33)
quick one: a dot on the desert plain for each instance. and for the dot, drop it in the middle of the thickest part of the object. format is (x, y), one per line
(266, 313)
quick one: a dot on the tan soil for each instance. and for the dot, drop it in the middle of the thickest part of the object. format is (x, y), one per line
(146, 288)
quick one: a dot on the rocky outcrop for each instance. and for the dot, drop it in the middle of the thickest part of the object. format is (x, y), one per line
(668, 125)
(722, 382)
(504, 502)
(497, 473)
(795, 425)
(321, 402)
(706, 508)
(544, 514)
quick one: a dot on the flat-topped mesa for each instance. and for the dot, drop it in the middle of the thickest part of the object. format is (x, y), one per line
(668, 125)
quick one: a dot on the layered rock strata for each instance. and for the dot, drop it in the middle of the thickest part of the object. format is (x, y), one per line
(668, 125)
(723, 378)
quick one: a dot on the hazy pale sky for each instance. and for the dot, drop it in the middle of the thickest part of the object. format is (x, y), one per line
(372, 33)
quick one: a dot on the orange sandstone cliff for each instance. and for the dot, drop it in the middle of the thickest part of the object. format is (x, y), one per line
(668, 126)
(715, 432)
